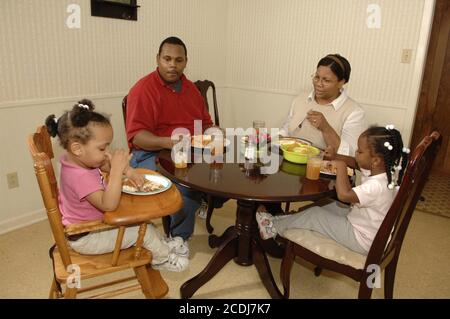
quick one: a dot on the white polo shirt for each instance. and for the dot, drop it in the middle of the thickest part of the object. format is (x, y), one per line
(375, 199)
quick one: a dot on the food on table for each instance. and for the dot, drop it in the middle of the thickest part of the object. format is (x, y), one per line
(328, 167)
(201, 141)
(296, 147)
(147, 187)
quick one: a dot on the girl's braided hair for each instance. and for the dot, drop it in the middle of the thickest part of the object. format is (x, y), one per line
(387, 142)
(73, 125)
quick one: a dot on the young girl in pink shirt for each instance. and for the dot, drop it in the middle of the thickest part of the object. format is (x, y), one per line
(83, 195)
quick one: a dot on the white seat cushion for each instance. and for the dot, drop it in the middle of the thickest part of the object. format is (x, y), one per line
(325, 247)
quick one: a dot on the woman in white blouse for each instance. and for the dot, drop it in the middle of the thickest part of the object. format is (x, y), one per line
(327, 116)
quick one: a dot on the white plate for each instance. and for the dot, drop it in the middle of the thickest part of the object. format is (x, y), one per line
(326, 172)
(154, 178)
(196, 141)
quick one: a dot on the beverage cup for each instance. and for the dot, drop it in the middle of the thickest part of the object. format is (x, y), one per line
(217, 146)
(180, 160)
(313, 166)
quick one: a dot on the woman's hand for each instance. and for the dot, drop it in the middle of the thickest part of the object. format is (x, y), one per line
(318, 120)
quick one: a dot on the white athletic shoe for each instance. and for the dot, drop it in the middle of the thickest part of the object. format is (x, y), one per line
(178, 246)
(265, 225)
(174, 263)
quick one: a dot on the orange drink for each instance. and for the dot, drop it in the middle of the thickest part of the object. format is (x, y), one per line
(180, 160)
(313, 166)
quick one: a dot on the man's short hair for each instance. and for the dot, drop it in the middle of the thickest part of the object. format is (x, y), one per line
(173, 40)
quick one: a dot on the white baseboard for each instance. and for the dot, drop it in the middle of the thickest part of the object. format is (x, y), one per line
(18, 222)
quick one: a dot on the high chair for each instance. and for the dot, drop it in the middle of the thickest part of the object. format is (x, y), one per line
(71, 268)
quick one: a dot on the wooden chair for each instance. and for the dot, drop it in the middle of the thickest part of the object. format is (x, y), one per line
(165, 219)
(65, 260)
(203, 87)
(385, 250)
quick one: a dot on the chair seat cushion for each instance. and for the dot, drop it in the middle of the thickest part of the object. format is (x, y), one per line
(325, 247)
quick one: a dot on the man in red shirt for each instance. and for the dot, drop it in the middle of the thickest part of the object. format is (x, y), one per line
(156, 105)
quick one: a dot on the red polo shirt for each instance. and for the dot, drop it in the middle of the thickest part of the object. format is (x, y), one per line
(154, 106)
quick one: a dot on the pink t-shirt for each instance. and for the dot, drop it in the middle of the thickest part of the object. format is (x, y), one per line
(75, 184)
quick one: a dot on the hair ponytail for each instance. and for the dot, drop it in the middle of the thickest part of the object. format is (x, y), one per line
(387, 142)
(73, 125)
(51, 122)
(81, 113)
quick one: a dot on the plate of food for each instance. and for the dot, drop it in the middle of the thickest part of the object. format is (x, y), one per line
(328, 168)
(153, 184)
(204, 141)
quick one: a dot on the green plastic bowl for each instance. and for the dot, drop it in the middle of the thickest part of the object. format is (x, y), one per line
(299, 158)
(293, 169)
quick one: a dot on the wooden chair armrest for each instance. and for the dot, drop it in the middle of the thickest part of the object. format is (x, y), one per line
(85, 227)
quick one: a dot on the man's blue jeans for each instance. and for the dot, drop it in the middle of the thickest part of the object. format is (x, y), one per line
(181, 223)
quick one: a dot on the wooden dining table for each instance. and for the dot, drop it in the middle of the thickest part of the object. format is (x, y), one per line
(245, 183)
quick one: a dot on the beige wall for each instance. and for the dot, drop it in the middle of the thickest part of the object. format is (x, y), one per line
(45, 67)
(274, 47)
(260, 54)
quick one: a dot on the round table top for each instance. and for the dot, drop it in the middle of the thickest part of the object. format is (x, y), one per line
(244, 180)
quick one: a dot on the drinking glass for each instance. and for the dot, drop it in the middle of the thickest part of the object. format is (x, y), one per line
(313, 166)
(180, 159)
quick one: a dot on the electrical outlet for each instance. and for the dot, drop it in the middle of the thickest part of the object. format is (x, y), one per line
(13, 180)
(406, 56)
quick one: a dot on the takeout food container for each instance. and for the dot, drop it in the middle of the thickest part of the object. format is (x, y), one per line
(298, 153)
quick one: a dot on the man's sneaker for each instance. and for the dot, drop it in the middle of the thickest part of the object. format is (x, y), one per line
(174, 263)
(178, 246)
(265, 224)
(202, 210)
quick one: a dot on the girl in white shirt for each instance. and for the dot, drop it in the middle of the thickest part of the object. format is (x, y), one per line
(382, 160)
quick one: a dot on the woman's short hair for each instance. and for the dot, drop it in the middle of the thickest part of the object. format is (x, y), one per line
(338, 64)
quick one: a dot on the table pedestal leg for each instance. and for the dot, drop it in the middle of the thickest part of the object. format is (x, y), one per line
(222, 256)
(240, 242)
(215, 241)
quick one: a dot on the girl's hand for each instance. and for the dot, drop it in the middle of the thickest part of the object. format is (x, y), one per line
(329, 153)
(119, 160)
(341, 167)
(317, 119)
(135, 178)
